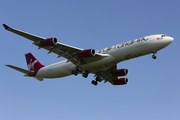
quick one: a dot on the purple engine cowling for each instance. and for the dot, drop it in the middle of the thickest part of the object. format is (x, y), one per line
(87, 53)
(49, 42)
(120, 72)
(121, 81)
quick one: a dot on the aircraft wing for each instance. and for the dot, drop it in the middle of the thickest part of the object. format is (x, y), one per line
(69, 52)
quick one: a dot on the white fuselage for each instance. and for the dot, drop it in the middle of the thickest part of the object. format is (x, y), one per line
(117, 53)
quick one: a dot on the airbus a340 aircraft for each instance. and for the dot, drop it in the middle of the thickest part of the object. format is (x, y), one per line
(102, 63)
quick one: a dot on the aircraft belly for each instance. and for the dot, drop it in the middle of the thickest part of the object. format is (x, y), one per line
(101, 64)
(55, 71)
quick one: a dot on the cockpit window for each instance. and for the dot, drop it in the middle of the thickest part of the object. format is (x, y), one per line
(163, 35)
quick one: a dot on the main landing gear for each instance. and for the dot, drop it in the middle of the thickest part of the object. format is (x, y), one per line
(95, 82)
(75, 72)
(154, 56)
(78, 69)
(85, 75)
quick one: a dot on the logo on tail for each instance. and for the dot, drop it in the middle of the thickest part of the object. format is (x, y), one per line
(32, 63)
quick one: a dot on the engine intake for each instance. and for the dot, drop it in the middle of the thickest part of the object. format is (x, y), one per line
(121, 81)
(86, 53)
(120, 72)
(49, 42)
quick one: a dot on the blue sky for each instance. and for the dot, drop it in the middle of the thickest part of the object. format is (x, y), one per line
(153, 89)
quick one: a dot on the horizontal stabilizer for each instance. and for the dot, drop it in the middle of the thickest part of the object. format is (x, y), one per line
(20, 69)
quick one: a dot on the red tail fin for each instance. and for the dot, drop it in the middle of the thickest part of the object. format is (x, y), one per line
(32, 63)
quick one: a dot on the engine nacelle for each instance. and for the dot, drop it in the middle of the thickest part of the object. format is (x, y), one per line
(121, 81)
(49, 42)
(120, 72)
(87, 53)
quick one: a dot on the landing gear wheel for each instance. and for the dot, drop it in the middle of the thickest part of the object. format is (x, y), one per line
(98, 79)
(74, 72)
(94, 82)
(154, 57)
(85, 75)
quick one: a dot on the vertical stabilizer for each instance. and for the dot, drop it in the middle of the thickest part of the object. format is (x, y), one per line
(32, 63)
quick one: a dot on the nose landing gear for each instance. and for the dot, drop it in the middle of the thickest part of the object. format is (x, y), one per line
(154, 56)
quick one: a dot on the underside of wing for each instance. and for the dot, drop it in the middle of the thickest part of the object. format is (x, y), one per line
(73, 54)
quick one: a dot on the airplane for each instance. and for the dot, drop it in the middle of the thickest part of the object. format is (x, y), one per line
(102, 63)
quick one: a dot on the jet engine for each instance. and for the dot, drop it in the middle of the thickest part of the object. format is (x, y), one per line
(121, 81)
(120, 72)
(86, 53)
(49, 42)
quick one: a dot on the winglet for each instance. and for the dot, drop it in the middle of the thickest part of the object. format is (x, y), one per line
(6, 27)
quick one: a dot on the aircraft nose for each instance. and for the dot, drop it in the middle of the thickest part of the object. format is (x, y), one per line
(171, 39)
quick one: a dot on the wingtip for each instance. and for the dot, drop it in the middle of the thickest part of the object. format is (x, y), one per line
(6, 27)
(8, 65)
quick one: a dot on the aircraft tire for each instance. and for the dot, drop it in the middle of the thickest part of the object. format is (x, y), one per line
(94, 82)
(154, 57)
